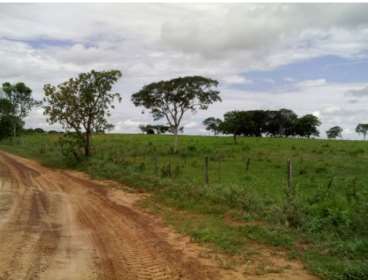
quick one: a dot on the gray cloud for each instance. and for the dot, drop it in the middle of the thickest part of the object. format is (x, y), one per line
(359, 93)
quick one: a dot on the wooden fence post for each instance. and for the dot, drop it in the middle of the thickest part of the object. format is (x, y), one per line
(290, 177)
(169, 168)
(206, 170)
(156, 164)
(219, 171)
(248, 163)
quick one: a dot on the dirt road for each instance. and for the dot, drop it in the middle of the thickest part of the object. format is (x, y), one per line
(62, 225)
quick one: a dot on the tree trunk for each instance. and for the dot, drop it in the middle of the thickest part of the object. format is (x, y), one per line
(87, 144)
(235, 139)
(176, 141)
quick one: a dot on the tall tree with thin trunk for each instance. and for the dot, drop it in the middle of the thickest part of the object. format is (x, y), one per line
(172, 99)
(20, 97)
(82, 104)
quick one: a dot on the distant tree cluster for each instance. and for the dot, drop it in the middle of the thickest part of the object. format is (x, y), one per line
(282, 123)
(154, 129)
(34, 130)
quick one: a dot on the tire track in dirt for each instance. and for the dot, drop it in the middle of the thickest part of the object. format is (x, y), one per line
(61, 225)
(117, 242)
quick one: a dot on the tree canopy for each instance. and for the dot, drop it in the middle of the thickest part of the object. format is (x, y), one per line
(16, 104)
(334, 132)
(171, 99)
(307, 126)
(362, 128)
(213, 124)
(154, 129)
(283, 123)
(82, 104)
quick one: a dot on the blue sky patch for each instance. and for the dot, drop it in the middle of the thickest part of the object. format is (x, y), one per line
(331, 68)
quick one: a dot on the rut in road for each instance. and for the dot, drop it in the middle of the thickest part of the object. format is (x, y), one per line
(61, 225)
(55, 225)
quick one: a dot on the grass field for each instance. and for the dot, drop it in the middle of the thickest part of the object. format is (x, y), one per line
(323, 221)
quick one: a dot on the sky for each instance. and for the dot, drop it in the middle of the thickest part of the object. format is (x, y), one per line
(311, 58)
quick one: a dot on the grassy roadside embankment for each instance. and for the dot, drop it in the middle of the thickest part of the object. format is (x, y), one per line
(323, 222)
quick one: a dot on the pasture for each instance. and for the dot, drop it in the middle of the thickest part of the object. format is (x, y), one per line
(322, 219)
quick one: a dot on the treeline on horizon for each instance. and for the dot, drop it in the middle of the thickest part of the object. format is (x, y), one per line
(81, 105)
(258, 123)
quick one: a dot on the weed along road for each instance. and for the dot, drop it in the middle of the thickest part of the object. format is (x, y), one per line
(61, 225)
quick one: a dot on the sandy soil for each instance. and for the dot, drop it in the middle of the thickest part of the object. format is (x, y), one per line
(62, 225)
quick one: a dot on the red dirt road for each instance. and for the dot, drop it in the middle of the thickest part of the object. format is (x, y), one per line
(61, 225)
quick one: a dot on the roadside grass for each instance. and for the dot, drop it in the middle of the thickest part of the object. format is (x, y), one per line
(328, 212)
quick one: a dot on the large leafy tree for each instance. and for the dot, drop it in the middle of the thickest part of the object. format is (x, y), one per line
(7, 120)
(82, 104)
(362, 128)
(20, 103)
(173, 98)
(212, 124)
(281, 122)
(334, 132)
(307, 126)
(236, 123)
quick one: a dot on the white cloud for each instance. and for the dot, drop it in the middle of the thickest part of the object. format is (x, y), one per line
(236, 79)
(317, 114)
(191, 125)
(331, 109)
(312, 83)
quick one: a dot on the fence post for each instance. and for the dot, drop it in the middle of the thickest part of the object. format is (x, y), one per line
(169, 168)
(290, 177)
(155, 171)
(219, 171)
(206, 170)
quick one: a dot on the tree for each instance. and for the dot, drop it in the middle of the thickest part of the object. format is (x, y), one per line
(20, 98)
(212, 124)
(281, 122)
(154, 129)
(173, 98)
(306, 126)
(334, 132)
(362, 128)
(7, 120)
(147, 129)
(82, 104)
(258, 123)
(235, 123)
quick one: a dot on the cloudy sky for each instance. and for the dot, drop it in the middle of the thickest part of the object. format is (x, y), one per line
(311, 58)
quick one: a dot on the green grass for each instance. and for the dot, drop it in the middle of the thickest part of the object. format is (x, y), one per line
(328, 212)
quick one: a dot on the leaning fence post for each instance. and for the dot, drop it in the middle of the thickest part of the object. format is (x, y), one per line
(206, 170)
